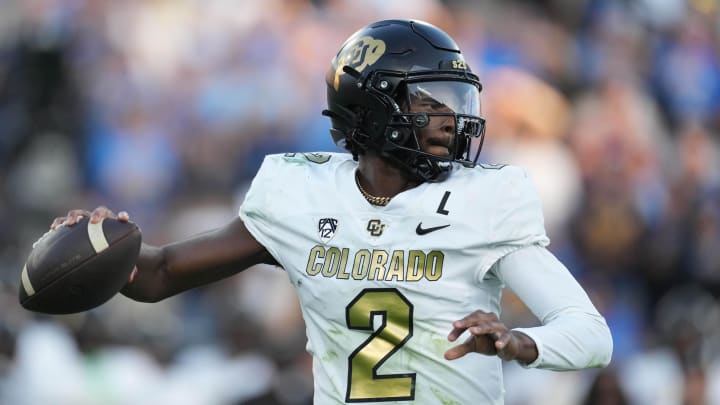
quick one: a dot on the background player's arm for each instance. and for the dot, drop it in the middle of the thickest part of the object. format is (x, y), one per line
(176, 267)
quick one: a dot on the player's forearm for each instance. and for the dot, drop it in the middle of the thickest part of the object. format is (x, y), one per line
(573, 334)
(168, 270)
(570, 342)
(202, 259)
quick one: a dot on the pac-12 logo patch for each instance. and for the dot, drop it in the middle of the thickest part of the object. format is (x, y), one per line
(327, 228)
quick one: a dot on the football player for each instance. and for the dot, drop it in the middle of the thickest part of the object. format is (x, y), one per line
(398, 250)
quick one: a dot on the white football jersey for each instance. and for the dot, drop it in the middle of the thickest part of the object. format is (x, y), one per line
(380, 286)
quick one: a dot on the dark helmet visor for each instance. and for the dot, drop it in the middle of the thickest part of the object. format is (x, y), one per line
(444, 97)
(451, 98)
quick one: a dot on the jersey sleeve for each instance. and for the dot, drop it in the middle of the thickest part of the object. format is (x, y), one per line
(573, 334)
(262, 210)
(516, 217)
(280, 197)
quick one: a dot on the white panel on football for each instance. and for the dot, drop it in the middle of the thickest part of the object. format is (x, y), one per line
(29, 290)
(97, 236)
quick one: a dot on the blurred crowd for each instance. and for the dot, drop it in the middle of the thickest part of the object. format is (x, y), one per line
(165, 108)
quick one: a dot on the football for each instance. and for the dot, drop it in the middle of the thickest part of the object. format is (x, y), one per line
(76, 268)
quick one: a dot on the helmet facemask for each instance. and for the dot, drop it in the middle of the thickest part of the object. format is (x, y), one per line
(434, 121)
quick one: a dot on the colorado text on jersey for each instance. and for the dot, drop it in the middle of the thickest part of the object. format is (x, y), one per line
(376, 264)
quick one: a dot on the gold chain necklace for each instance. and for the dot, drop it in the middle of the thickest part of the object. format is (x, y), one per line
(380, 201)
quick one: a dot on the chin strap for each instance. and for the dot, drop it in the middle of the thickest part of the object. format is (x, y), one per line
(431, 171)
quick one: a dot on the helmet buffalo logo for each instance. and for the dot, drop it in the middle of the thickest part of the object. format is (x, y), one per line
(359, 54)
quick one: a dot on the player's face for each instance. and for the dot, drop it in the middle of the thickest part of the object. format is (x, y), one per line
(442, 101)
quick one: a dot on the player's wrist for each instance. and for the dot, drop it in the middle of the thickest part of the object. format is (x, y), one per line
(527, 349)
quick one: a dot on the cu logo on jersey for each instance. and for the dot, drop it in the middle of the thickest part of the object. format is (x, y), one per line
(375, 227)
(327, 228)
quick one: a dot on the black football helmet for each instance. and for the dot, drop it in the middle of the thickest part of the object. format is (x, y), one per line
(375, 82)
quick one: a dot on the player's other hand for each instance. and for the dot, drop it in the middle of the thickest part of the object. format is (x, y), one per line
(491, 337)
(73, 216)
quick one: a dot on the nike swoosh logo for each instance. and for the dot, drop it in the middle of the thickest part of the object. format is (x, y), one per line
(423, 231)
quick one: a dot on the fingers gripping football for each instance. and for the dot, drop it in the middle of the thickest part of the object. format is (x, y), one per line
(71, 215)
(99, 213)
(489, 336)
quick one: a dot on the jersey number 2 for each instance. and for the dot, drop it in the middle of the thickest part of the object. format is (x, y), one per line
(396, 312)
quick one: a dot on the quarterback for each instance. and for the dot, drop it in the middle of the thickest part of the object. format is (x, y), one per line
(400, 248)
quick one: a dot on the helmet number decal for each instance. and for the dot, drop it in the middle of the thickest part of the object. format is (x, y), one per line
(360, 54)
(459, 64)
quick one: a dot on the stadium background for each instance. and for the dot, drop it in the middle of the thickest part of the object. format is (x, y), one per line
(165, 108)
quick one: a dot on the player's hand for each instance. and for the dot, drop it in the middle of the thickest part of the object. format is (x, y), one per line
(73, 216)
(489, 336)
